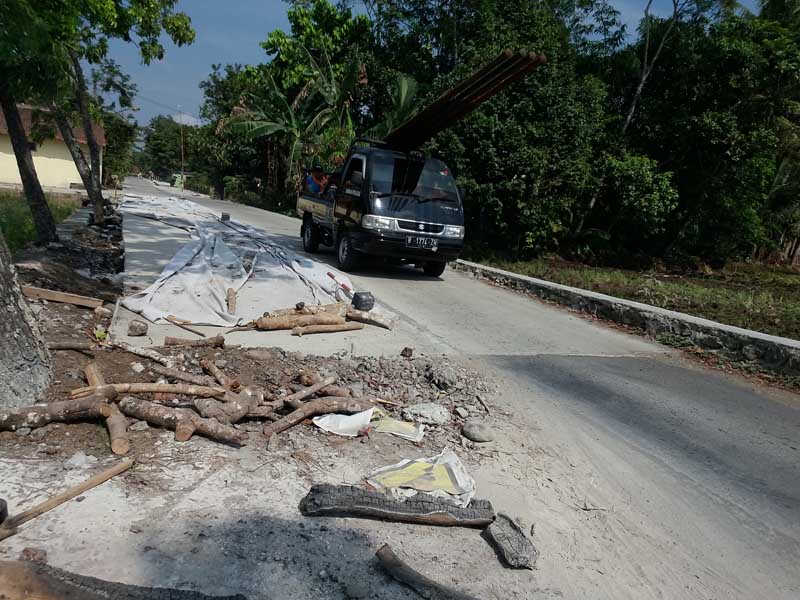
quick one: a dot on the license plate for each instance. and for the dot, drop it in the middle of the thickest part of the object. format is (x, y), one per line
(426, 243)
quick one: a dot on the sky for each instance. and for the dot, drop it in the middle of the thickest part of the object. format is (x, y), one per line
(230, 31)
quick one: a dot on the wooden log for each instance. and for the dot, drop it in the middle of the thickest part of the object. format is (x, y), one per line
(214, 342)
(427, 588)
(66, 411)
(370, 318)
(311, 329)
(184, 325)
(349, 501)
(118, 431)
(216, 372)
(262, 412)
(143, 352)
(511, 542)
(78, 346)
(11, 523)
(291, 399)
(230, 301)
(335, 390)
(152, 388)
(23, 580)
(337, 308)
(93, 375)
(233, 409)
(183, 422)
(35, 293)
(292, 321)
(183, 376)
(117, 424)
(318, 406)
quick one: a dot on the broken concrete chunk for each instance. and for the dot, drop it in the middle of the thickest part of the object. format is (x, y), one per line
(429, 413)
(137, 367)
(101, 312)
(23, 431)
(477, 431)
(36, 555)
(511, 543)
(79, 460)
(139, 426)
(462, 412)
(137, 328)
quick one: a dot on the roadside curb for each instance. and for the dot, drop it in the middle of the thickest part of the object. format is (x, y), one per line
(768, 351)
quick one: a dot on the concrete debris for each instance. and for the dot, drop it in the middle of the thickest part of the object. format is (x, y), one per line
(79, 460)
(23, 431)
(137, 367)
(461, 412)
(477, 431)
(137, 328)
(429, 413)
(36, 555)
(101, 312)
(139, 426)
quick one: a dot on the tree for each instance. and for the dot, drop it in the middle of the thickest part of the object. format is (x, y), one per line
(25, 366)
(162, 147)
(29, 37)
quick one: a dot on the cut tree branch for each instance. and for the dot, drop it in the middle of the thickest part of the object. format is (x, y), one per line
(319, 406)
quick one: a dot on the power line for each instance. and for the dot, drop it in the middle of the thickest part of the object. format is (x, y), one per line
(167, 106)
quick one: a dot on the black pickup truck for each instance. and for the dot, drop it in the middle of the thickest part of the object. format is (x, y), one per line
(386, 202)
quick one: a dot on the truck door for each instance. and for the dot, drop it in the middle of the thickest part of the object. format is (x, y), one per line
(347, 205)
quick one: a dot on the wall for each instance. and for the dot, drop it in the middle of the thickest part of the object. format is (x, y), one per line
(52, 160)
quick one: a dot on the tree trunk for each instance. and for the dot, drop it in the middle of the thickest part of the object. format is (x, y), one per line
(24, 360)
(82, 97)
(42, 217)
(95, 195)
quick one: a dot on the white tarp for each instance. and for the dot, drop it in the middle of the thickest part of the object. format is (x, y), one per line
(222, 255)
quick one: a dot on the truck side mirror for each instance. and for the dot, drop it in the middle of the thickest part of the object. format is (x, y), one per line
(357, 178)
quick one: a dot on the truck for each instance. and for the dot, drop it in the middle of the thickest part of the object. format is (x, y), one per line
(389, 203)
(390, 200)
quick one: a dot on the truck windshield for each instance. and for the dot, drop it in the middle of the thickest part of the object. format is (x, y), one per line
(401, 175)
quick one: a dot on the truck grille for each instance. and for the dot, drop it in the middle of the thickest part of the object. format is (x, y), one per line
(420, 227)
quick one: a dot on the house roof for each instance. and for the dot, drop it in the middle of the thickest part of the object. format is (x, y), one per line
(26, 114)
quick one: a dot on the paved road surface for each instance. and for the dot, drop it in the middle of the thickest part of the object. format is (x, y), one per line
(657, 478)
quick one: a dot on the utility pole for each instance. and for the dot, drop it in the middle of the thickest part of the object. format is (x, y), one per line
(180, 117)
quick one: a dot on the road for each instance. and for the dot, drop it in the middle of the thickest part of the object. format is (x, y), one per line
(652, 477)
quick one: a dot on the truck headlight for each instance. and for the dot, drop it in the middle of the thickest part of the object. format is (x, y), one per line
(454, 231)
(376, 222)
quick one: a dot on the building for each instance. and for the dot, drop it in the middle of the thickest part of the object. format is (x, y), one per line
(53, 162)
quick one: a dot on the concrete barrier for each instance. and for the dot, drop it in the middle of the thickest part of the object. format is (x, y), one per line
(768, 351)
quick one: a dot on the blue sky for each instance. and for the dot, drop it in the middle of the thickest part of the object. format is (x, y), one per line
(229, 31)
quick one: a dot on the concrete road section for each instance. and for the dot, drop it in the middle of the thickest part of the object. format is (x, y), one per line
(650, 476)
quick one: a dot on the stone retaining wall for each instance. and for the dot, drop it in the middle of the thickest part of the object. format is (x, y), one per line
(768, 351)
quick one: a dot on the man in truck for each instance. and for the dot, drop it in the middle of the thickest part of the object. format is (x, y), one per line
(316, 180)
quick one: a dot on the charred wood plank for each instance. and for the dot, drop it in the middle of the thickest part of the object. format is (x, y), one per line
(349, 501)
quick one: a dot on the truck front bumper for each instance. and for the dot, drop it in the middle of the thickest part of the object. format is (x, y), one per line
(394, 246)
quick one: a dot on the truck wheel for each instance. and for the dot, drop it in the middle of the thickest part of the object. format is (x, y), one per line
(434, 269)
(310, 233)
(345, 253)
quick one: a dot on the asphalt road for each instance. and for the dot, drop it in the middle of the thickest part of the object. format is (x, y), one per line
(655, 478)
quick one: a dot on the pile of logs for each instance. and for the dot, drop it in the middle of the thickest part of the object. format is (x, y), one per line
(209, 404)
(325, 318)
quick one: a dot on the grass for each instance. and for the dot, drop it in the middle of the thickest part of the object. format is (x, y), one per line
(758, 297)
(16, 222)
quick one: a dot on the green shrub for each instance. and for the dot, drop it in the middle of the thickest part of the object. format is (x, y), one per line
(16, 222)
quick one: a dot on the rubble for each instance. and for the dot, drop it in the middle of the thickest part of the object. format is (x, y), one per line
(429, 413)
(137, 328)
(477, 431)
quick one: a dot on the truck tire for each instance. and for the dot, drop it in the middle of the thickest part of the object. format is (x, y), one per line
(345, 253)
(310, 233)
(434, 268)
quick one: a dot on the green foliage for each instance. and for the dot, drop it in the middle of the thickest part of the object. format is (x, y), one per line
(16, 221)
(162, 147)
(118, 155)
